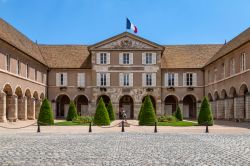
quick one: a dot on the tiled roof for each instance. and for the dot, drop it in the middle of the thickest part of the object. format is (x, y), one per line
(66, 56)
(231, 45)
(188, 56)
(15, 38)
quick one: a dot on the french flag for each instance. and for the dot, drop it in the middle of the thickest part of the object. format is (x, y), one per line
(131, 26)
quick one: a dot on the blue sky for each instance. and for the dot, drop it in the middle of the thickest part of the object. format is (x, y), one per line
(161, 21)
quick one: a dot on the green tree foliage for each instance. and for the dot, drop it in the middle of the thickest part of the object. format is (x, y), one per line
(45, 116)
(141, 109)
(178, 113)
(101, 115)
(205, 114)
(147, 117)
(111, 111)
(72, 113)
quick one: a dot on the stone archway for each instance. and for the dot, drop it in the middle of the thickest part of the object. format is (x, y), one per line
(62, 106)
(37, 104)
(126, 104)
(233, 95)
(216, 100)
(189, 107)
(10, 112)
(21, 112)
(30, 105)
(105, 99)
(81, 102)
(243, 92)
(152, 100)
(170, 106)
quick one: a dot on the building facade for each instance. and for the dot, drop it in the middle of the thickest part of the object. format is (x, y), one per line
(123, 69)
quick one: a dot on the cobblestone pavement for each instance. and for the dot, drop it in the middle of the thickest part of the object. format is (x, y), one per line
(124, 149)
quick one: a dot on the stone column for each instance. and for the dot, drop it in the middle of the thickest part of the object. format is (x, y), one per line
(3, 107)
(12, 108)
(239, 107)
(22, 108)
(220, 109)
(229, 108)
(31, 108)
(248, 107)
(37, 108)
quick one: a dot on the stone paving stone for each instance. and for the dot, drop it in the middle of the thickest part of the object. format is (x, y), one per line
(126, 149)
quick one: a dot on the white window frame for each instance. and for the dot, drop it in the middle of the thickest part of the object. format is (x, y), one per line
(215, 74)
(171, 79)
(103, 79)
(126, 79)
(243, 61)
(18, 67)
(27, 71)
(125, 58)
(103, 58)
(61, 79)
(7, 62)
(149, 58)
(149, 79)
(81, 79)
(189, 79)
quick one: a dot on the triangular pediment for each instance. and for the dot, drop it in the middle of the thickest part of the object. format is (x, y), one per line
(126, 41)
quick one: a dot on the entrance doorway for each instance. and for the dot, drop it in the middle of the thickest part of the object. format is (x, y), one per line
(126, 103)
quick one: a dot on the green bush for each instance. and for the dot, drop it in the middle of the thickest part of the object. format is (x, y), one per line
(46, 116)
(101, 115)
(83, 119)
(178, 114)
(72, 113)
(147, 117)
(141, 109)
(205, 115)
(167, 118)
(111, 111)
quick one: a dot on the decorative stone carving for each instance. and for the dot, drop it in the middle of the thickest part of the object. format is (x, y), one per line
(126, 43)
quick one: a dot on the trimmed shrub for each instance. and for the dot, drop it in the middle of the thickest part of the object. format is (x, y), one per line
(141, 109)
(83, 119)
(205, 114)
(46, 115)
(111, 111)
(147, 117)
(167, 118)
(72, 113)
(178, 114)
(101, 115)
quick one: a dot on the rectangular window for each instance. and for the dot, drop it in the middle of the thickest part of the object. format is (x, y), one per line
(18, 67)
(208, 76)
(189, 79)
(232, 64)
(126, 79)
(7, 62)
(27, 70)
(243, 61)
(103, 58)
(149, 79)
(223, 70)
(215, 74)
(35, 74)
(81, 79)
(42, 77)
(149, 58)
(125, 58)
(103, 79)
(61, 79)
(170, 79)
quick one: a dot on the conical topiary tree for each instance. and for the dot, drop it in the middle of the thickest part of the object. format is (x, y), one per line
(46, 116)
(178, 113)
(147, 117)
(205, 115)
(72, 113)
(141, 109)
(101, 115)
(111, 111)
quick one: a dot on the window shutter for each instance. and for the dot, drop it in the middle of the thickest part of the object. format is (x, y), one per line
(153, 58)
(81, 79)
(121, 77)
(78, 79)
(131, 79)
(194, 79)
(65, 79)
(143, 79)
(166, 79)
(108, 58)
(57, 79)
(143, 58)
(98, 79)
(120, 58)
(131, 58)
(176, 82)
(108, 79)
(184, 79)
(154, 79)
(98, 58)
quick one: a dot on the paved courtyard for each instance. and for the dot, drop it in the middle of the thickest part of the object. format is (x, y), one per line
(127, 148)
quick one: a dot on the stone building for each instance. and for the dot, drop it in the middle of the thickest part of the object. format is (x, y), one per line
(123, 69)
